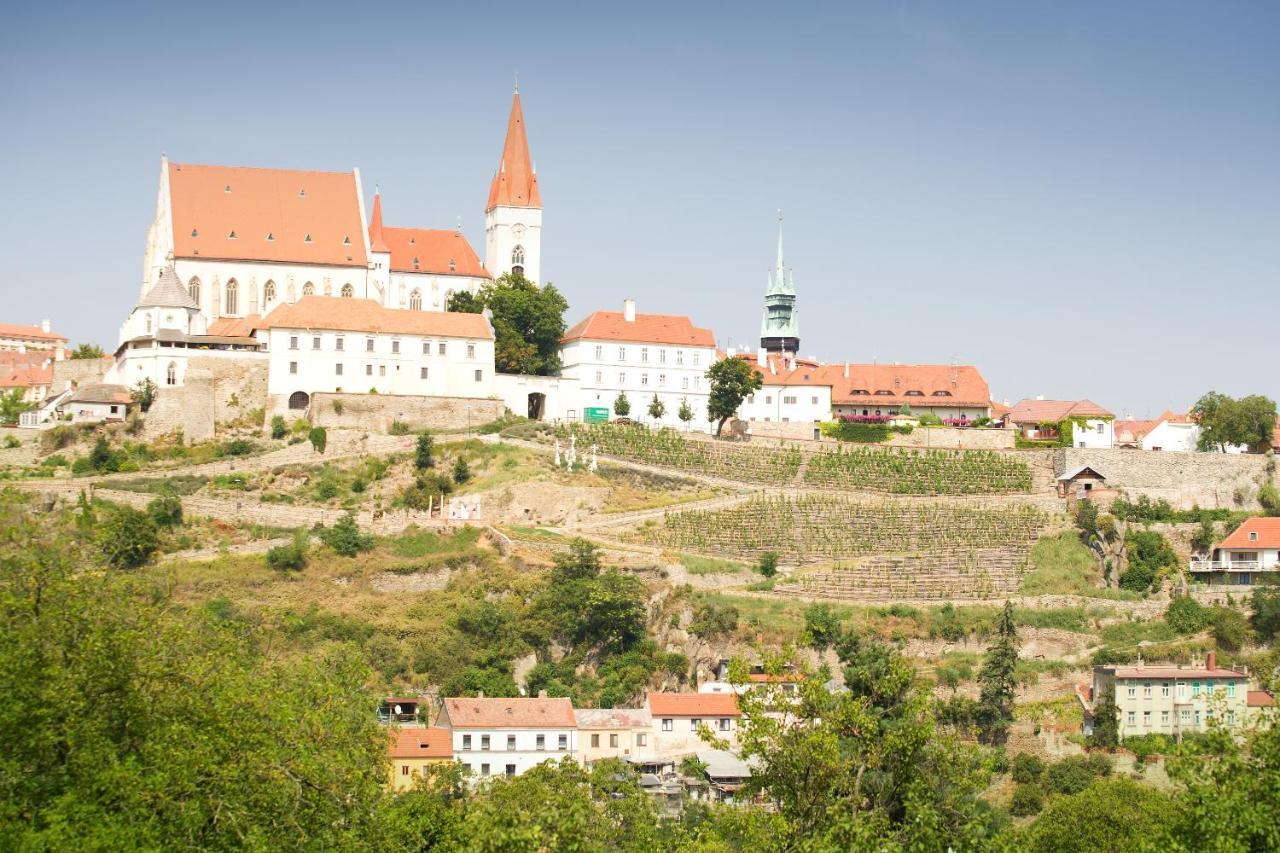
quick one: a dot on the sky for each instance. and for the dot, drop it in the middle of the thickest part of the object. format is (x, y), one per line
(1082, 199)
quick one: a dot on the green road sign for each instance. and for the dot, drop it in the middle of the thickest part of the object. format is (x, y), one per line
(595, 415)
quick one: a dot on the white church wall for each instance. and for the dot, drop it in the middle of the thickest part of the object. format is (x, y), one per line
(509, 227)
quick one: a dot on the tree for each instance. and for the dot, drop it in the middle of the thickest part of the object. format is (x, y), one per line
(127, 538)
(713, 622)
(1027, 799)
(528, 323)
(345, 537)
(1264, 606)
(291, 557)
(999, 686)
(685, 414)
(464, 302)
(621, 405)
(143, 394)
(166, 510)
(1027, 768)
(84, 351)
(1106, 720)
(1149, 556)
(319, 438)
(657, 408)
(423, 457)
(278, 427)
(768, 565)
(1186, 616)
(1223, 420)
(822, 627)
(1230, 628)
(1111, 814)
(13, 404)
(461, 471)
(731, 379)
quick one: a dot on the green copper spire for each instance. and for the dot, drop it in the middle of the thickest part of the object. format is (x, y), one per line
(780, 325)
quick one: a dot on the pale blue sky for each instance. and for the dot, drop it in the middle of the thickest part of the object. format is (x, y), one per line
(1082, 199)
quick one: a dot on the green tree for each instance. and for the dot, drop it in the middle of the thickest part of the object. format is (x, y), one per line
(1230, 628)
(1150, 556)
(1264, 607)
(1223, 420)
(1027, 799)
(143, 394)
(13, 404)
(1111, 814)
(291, 557)
(1073, 774)
(84, 351)
(464, 302)
(423, 452)
(127, 538)
(528, 323)
(319, 437)
(278, 427)
(657, 408)
(345, 538)
(1027, 768)
(714, 622)
(1186, 616)
(621, 405)
(461, 471)
(732, 380)
(822, 628)
(999, 685)
(685, 414)
(768, 565)
(1106, 720)
(166, 510)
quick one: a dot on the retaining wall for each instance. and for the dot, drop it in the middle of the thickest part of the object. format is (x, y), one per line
(1208, 480)
(375, 412)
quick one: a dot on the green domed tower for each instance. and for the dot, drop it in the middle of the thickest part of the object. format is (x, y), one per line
(780, 326)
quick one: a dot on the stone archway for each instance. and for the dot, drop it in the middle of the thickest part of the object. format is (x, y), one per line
(299, 400)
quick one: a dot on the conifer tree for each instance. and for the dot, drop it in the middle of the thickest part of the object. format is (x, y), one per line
(1106, 721)
(995, 703)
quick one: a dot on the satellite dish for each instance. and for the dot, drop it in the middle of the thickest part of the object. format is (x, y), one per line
(397, 709)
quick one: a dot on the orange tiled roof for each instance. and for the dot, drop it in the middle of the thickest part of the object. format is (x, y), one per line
(999, 410)
(778, 370)
(1176, 672)
(509, 713)
(364, 315)
(31, 333)
(1267, 530)
(434, 250)
(1260, 699)
(310, 217)
(377, 241)
(1037, 411)
(235, 327)
(694, 705)
(515, 184)
(933, 384)
(645, 329)
(420, 742)
(26, 376)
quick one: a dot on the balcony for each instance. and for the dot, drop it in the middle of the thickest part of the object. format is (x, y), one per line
(1202, 565)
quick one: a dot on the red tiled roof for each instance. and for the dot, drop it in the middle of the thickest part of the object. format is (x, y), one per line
(420, 742)
(937, 384)
(364, 315)
(509, 713)
(515, 184)
(212, 202)
(1267, 530)
(1177, 672)
(1037, 411)
(1260, 699)
(31, 333)
(694, 705)
(1134, 431)
(235, 327)
(778, 370)
(672, 329)
(377, 243)
(433, 249)
(613, 718)
(26, 376)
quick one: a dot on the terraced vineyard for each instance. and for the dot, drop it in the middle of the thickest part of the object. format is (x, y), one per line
(810, 528)
(963, 575)
(891, 470)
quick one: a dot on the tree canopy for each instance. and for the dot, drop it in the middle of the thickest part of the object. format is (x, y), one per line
(1248, 421)
(528, 322)
(732, 379)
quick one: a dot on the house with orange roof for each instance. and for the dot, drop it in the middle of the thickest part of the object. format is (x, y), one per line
(30, 371)
(613, 353)
(1038, 419)
(1169, 432)
(679, 717)
(18, 338)
(1248, 555)
(795, 390)
(507, 736)
(412, 749)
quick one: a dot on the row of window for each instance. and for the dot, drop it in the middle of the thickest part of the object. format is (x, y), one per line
(370, 345)
(338, 370)
(644, 355)
(641, 740)
(723, 724)
(662, 380)
(786, 400)
(1185, 717)
(231, 294)
(562, 742)
(1182, 689)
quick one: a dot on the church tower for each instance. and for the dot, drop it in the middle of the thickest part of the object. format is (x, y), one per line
(513, 216)
(780, 326)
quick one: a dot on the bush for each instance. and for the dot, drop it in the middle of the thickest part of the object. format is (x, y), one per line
(10, 442)
(319, 438)
(398, 428)
(1027, 799)
(345, 537)
(128, 538)
(821, 625)
(57, 438)
(423, 453)
(278, 427)
(1185, 615)
(768, 565)
(291, 557)
(1230, 628)
(1074, 773)
(165, 510)
(461, 471)
(239, 447)
(1027, 768)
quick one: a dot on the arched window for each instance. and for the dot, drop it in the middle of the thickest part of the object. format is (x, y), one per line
(232, 305)
(348, 291)
(415, 300)
(194, 289)
(171, 375)
(268, 293)
(517, 260)
(308, 289)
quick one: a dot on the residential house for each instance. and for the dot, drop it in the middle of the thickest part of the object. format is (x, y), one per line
(1079, 483)
(956, 393)
(1169, 432)
(1250, 553)
(30, 371)
(795, 391)
(411, 749)
(1039, 419)
(19, 338)
(1155, 699)
(624, 733)
(724, 777)
(678, 717)
(98, 403)
(493, 737)
(398, 710)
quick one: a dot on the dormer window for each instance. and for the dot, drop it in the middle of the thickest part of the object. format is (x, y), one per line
(415, 263)
(302, 193)
(1253, 536)
(884, 393)
(413, 241)
(231, 236)
(942, 393)
(271, 237)
(306, 239)
(452, 265)
(227, 188)
(914, 394)
(862, 391)
(346, 241)
(195, 233)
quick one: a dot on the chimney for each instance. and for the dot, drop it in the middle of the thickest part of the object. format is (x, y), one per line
(762, 357)
(44, 326)
(846, 370)
(1211, 660)
(629, 310)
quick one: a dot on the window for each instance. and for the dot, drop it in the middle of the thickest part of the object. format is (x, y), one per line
(662, 379)
(562, 742)
(666, 724)
(471, 350)
(422, 373)
(194, 289)
(768, 401)
(337, 368)
(1184, 716)
(511, 743)
(644, 379)
(1208, 688)
(599, 352)
(1231, 690)
(541, 742)
(404, 769)
(595, 741)
(662, 356)
(1133, 691)
(293, 342)
(484, 769)
(1164, 690)
(684, 383)
(293, 367)
(1146, 690)
(395, 347)
(368, 370)
(315, 342)
(368, 344)
(308, 289)
(788, 401)
(511, 770)
(694, 723)
(233, 298)
(268, 293)
(1133, 718)
(1231, 718)
(813, 400)
(1195, 688)
(642, 740)
(170, 376)
(599, 377)
(622, 379)
(415, 300)
(1182, 691)
(1253, 536)
(1164, 718)
(622, 353)
(466, 741)
(723, 724)
(382, 370)
(517, 260)
(479, 375)
(697, 356)
(442, 349)
(484, 741)
(348, 291)
(613, 741)
(679, 356)
(1146, 719)
(644, 355)
(339, 343)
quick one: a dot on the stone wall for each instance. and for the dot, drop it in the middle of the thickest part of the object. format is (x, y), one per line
(214, 392)
(79, 371)
(939, 437)
(375, 412)
(1208, 480)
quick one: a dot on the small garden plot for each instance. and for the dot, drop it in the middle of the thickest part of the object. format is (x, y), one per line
(908, 471)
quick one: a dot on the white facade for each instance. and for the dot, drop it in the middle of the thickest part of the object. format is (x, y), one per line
(540, 398)
(787, 404)
(511, 751)
(513, 238)
(1096, 433)
(605, 369)
(311, 360)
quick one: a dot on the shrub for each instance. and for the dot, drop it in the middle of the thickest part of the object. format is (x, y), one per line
(423, 453)
(461, 471)
(768, 565)
(165, 510)
(1027, 768)
(278, 427)
(1074, 773)
(930, 419)
(1185, 615)
(239, 447)
(54, 461)
(398, 428)
(1027, 799)
(337, 407)
(127, 538)
(291, 557)
(57, 438)
(821, 625)
(345, 537)
(10, 442)
(1269, 498)
(1230, 628)
(319, 438)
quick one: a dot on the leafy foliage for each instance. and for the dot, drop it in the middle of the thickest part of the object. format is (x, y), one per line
(999, 687)
(127, 537)
(1247, 421)
(731, 381)
(345, 538)
(86, 351)
(621, 405)
(291, 557)
(423, 452)
(528, 322)
(319, 438)
(165, 510)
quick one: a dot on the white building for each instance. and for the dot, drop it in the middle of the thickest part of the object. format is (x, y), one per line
(623, 733)
(513, 214)
(19, 338)
(1039, 419)
(678, 717)
(795, 391)
(493, 737)
(356, 345)
(1170, 432)
(1249, 555)
(641, 355)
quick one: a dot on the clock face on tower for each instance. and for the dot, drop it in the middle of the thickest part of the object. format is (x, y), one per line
(518, 230)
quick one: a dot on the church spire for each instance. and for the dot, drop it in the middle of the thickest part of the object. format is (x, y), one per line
(515, 184)
(780, 325)
(377, 243)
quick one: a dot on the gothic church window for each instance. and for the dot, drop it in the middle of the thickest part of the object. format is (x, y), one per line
(517, 260)
(269, 293)
(348, 291)
(232, 300)
(415, 300)
(171, 375)
(308, 289)
(194, 289)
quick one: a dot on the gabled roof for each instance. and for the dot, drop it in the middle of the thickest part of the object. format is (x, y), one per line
(1176, 672)
(673, 329)
(26, 376)
(779, 370)
(1076, 472)
(32, 333)
(420, 742)
(1031, 411)
(1266, 529)
(279, 215)
(377, 241)
(347, 314)
(613, 718)
(693, 704)
(1260, 699)
(1133, 431)
(908, 385)
(168, 292)
(515, 184)
(520, 713)
(101, 394)
(235, 327)
(432, 251)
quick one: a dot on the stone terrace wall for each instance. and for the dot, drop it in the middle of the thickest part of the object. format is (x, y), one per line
(955, 439)
(79, 371)
(375, 412)
(214, 391)
(1208, 480)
